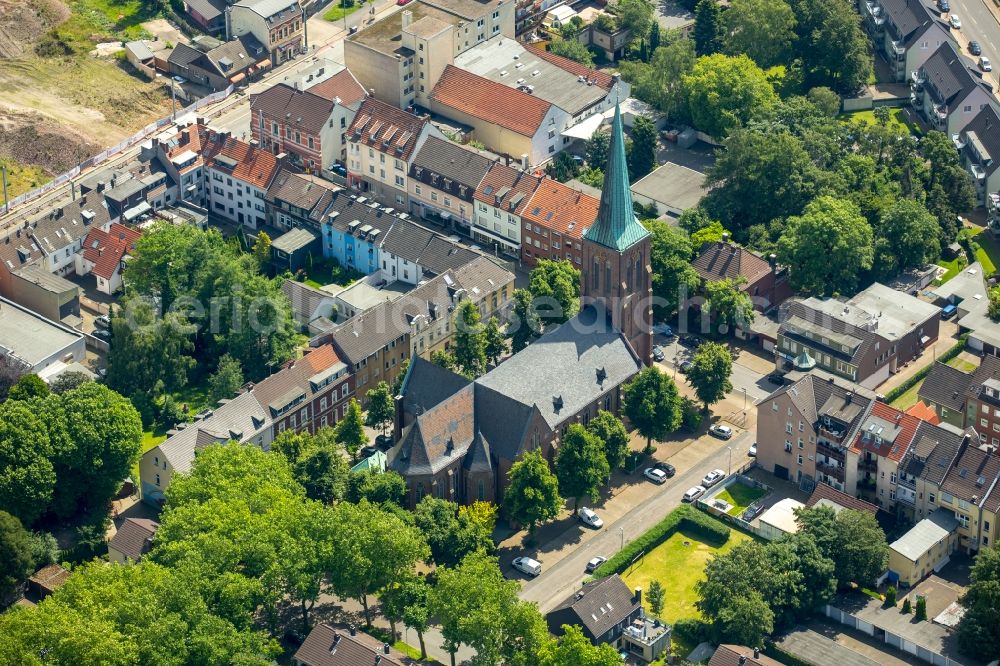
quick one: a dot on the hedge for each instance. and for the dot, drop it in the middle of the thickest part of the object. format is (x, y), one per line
(683, 518)
(921, 374)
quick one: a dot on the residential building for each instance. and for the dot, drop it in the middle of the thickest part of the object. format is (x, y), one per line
(554, 222)
(740, 655)
(60, 234)
(779, 520)
(132, 540)
(979, 145)
(238, 175)
(971, 478)
(966, 399)
(923, 469)
(883, 440)
(305, 126)
(826, 495)
(306, 394)
(863, 339)
(501, 198)
(209, 14)
(671, 189)
(616, 254)
(179, 153)
(949, 91)
(610, 38)
(277, 24)
(806, 429)
(32, 342)
(353, 232)
(104, 255)
(904, 32)
(233, 63)
(312, 308)
(410, 253)
(298, 200)
(761, 279)
(327, 645)
(382, 141)
(442, 182)
(924, 549)
(401, 56)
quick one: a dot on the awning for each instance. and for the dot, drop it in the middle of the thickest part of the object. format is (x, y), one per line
(924, 340)
(585, 128)
(236, 78)
(264, 64)
(804, 362)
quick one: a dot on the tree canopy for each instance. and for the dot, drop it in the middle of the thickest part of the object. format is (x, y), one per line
(572, 49)
(614, 437)
(450, 533)
(852, 539)
(728, 304)
(581, 464)
(555, 286)
(979, 628)
(710, 371)
(470, 340)
(652, 404)
(764, 30)
(16, 556)
(726, 92)
(532, 496)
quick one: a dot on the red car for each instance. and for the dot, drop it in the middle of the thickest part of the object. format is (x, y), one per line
(402, 2)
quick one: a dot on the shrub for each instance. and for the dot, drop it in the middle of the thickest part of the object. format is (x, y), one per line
(906, 606)
(692, 631)
(921, 613)
(890, 596)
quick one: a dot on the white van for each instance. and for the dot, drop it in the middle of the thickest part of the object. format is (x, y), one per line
(528, 566)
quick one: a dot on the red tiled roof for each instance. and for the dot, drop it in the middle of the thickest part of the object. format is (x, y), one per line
(105, 249)
(601, 79)
(254, 165)
(377, 122)
(517, 182)
(562, 209)
(342, 85)
(721, 260)
(828, 492)
(924, 413)
(729, 655)
(491, 101)
(892, 450)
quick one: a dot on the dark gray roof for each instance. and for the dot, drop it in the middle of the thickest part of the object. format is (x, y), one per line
(346, 208)
(294, 239)
(819, 394)
(184, 55)
(949, 75)
(933, 452)
(478, 457)
(945, 386)
(503, 421)
(241, 52)
(427, 384)
(66, 224)
(600, 604)
(334, 646)
(301, 191)
(446, 166)
(298, 108)
(798, 314)
(134, 538)
(209, 9)
(423, 247)
(907, 17)
(982, 135)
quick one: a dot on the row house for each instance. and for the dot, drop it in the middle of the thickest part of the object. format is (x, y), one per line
(979, 146)
(883, 440)
(232, 63)
(553, 223)
(500, 200)
(382, 142)
(967, 399)
(298, 200)
(905, 32)
(60, 234)
(307, 127)
(305, 395)
(179, 153)
(104, 255)
(949, 91)
(411, 253)
(238, 175)
(863, 339)
(443, 181)
(277, 24)
(209, 14)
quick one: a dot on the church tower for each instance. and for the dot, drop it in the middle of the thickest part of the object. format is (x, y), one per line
(616, 254)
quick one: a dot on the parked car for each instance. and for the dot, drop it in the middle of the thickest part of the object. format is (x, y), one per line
(528, 566)
(353, 30)
(595, 562)
(103, 334)
(104, 321)
(955, 22)
(975, 48)
(721, 431)
(658, 354)
(713, 478)
(666, 468)
(402, 2)
(590, 518)
(663, 329)
(693, 493)
(944, 5)
(692, 341)
(985, 64)
(655, 475)
(948, 311)
(776, 378)
(753, 450)
(685, 366)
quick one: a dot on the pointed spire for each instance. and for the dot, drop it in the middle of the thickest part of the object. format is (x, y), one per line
(616, 226)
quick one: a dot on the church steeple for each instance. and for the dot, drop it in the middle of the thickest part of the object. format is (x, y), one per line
(616, 226)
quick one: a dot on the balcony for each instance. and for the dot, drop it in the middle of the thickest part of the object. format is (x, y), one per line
(940, 112)
(977, 172)
(873, 13)
(831, 451)
(899, 50)
(835, 471)
(869, 465)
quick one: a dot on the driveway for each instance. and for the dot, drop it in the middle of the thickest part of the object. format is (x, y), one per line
(947, 337)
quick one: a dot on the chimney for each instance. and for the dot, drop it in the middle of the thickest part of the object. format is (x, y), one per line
(743, 660)
(756, 653)
(772, 259)
(725, 237)
(407, 19)
(378, 659)
(385, 648)
(637, 597)
(353, 630)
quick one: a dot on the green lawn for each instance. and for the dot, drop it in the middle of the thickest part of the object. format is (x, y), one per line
(988, 253)
(953, 266)
(336, 12)
(897, 117)
(909, 398)
(678, 567)
(740, 496)
(962, 364)
(328, 272)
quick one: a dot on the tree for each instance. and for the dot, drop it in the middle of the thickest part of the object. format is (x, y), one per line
(862, 551)
(948, 186)
(726, 92)
(656, 596)
(480, 513)
(445, 359)
(729, 304)
(597, 149)
(575, 649)
(524, 324)
(406, 602)
(227, 380)
(450, 534)
(652, 404)
(67, 381)
(262, 249)
(642, 158)
(674, 279)
(16, 556)
(572, 49)
(372, 549)
(322, 469)
(563, 167)
(478, 607)
(921, 613)
(381, 407)
(611, 431)
(827, 101)
(745, 620)
(710, 233)
(890, 597)
(993, 307)
(378, 488)
(659, 82)
(979, 628)
(28, 387)
(397, 383)
(555, 285)
(636, 16)
(581, 464)
(711, 367)
(350, 430)
(707, 27)
(907, 608)
(761, 29)
(654, 36)
(907, 237)
(27, 475)
(532, 495)
(495, 342)
(832, 47)
(470, 340)
(827, 246)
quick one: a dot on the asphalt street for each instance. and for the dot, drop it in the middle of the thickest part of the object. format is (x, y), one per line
(980, 24)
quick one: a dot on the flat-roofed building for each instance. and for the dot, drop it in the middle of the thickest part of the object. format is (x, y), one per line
(33, 342)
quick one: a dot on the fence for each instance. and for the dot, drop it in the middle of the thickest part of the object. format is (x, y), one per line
(890, 638)
(104, 155)
(706, 504)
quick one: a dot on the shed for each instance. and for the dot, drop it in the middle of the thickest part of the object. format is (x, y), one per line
(927, 547)
(779, 520)
(290, 250)
(47, 580)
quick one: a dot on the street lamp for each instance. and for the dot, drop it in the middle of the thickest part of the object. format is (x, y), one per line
(621, 530)
(744, 401)
(730, 460)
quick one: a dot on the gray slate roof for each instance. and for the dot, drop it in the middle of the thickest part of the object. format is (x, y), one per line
(949, 75)
(329, 646)
(65, 225)
(908, 18)
(945, 386)
(815, 395)
(437, 437)
(134, 538)
(452, 163)
(600, 604)
(427, 384)
(932, 452)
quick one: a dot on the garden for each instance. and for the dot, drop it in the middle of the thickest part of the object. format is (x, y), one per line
(739, 496)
